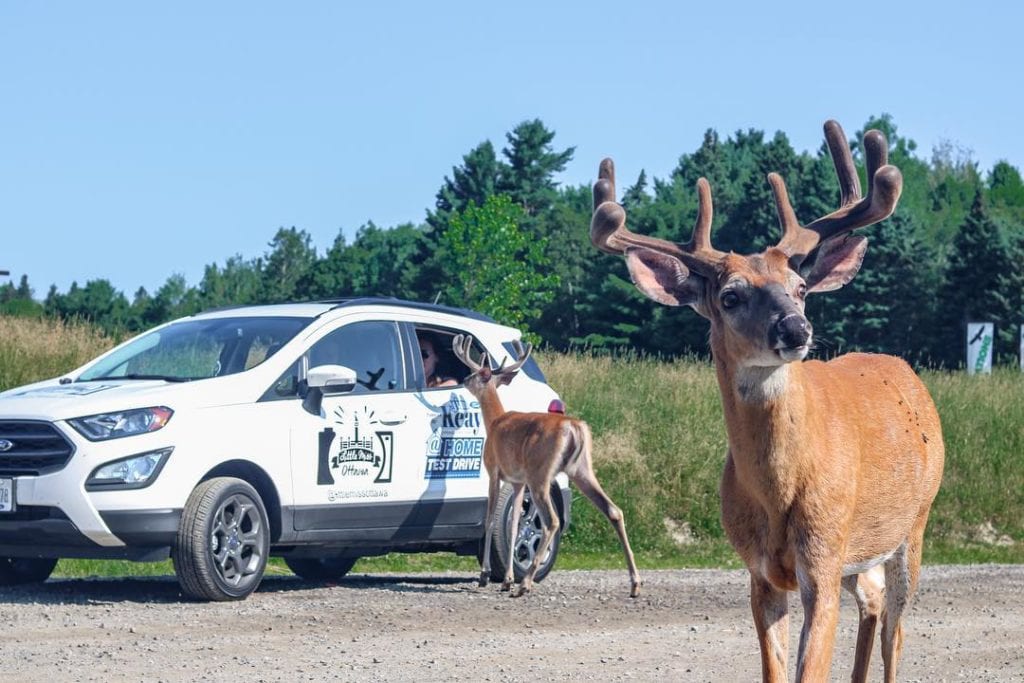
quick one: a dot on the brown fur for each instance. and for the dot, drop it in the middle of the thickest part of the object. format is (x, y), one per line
(529, 450)
(832, 467)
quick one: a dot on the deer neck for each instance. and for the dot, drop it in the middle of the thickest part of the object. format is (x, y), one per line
(490, 406)
(766, 413)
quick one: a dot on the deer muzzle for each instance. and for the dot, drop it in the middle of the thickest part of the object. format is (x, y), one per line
(790, 337)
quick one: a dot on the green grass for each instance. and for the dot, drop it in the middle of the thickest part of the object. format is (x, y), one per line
(659, 448)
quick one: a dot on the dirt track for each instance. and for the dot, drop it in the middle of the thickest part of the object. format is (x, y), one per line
(967, 623)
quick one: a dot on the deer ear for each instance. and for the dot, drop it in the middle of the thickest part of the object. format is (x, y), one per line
(506, 377)
(663, 278)
(837, 263)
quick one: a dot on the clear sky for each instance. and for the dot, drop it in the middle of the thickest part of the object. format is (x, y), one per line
(142, 139)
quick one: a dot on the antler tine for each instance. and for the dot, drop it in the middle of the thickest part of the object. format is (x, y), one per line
(461, 346)
(787, 217)
(842, 159)
(608, 230)
(885, 183)
(521, 355)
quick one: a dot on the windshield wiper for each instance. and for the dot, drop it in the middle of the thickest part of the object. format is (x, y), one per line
(166, 378)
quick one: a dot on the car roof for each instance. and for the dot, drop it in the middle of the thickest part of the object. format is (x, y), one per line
(313, 309)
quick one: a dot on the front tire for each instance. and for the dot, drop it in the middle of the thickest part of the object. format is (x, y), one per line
(223, 541)
(320, 568)
(527, 539)
(15, 571)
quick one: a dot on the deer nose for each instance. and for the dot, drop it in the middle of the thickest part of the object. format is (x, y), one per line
(792, 331)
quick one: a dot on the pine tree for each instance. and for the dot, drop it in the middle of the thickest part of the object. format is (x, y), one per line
(974, 287)
(532, 163)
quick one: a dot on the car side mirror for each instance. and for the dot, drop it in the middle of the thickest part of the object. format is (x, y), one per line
(325, 379)
(331, 379)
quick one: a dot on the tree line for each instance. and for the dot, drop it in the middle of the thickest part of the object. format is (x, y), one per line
(506, 239)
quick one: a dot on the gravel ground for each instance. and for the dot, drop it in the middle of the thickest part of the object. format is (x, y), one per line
(966, 623)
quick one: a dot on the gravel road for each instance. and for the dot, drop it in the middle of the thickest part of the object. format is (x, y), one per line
(967, 623)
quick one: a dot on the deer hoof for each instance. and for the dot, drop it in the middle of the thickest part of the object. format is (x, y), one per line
(484, 576)
(523, 590)
(506, 585)
(635, 590)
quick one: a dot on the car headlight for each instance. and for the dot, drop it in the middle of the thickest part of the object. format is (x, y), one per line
(123, 423)
(133, 472)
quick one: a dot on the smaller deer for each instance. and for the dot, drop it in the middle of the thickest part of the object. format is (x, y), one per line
(528, 450)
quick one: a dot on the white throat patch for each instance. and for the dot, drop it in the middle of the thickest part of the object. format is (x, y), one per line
(762, 384)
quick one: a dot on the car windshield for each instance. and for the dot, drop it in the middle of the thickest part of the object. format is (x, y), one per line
(197, 349)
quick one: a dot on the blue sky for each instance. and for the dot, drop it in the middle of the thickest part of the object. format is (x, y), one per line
(139, 140)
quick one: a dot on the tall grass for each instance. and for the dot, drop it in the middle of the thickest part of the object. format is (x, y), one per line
(659, 442)
(32, 349)
(660, 446)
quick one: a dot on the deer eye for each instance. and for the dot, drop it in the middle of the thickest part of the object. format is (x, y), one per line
(730, 299)
(801, 291)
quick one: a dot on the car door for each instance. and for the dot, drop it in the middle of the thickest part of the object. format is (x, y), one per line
(355, 476)
(453, 487)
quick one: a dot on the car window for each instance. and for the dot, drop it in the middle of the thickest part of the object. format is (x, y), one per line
(371, 349)
(438, 342)
(197, 349)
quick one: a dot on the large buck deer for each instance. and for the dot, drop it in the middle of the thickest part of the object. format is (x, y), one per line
(528, 450)
(832, 467)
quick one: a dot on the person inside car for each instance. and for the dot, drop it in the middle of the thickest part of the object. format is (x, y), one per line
(433, 368)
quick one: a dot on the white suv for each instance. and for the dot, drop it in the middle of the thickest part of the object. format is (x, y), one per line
(302, 430)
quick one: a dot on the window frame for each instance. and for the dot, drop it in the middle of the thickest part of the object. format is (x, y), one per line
(402, 375)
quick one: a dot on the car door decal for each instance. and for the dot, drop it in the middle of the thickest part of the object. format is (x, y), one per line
(455, 447)
(362, 456)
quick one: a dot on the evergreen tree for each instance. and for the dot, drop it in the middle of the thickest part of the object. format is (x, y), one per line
(887, 307)
(979, 265)
(474, 181)
(532, 162)
(289, 260)
(98, 302)
(378, 263)
(238, 283)
(173, 299)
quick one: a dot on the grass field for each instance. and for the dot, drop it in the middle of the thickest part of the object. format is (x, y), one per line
(659, 450)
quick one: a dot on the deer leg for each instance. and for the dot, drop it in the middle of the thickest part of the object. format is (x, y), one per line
(868, 589)
(492, 500)
(771, 619)
(819, 580)
(587, 483)
(541, 496)
(901, 574)
(513, 534)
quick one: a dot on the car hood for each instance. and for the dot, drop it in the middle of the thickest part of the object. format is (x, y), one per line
(51, 400)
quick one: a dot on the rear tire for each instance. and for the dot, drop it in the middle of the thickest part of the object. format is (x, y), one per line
(223, 541)
(320, 568)
(527, 539)
(20, 570)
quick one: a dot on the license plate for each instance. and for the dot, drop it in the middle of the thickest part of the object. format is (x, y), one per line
(6, 495)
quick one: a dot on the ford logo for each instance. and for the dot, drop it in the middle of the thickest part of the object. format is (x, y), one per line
(6, 445)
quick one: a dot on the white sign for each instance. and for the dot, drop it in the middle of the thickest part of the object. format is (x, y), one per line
(980, 337)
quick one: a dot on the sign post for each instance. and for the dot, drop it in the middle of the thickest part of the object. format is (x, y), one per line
(979, 348)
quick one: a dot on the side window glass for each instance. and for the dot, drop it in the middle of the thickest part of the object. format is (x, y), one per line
(440, 367)
(288, 384)
(370, 348)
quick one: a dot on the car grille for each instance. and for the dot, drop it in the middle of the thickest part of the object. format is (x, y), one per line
(37, 448)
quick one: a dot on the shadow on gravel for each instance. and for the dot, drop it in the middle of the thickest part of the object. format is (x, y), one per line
(410, 583)
(165, 589)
